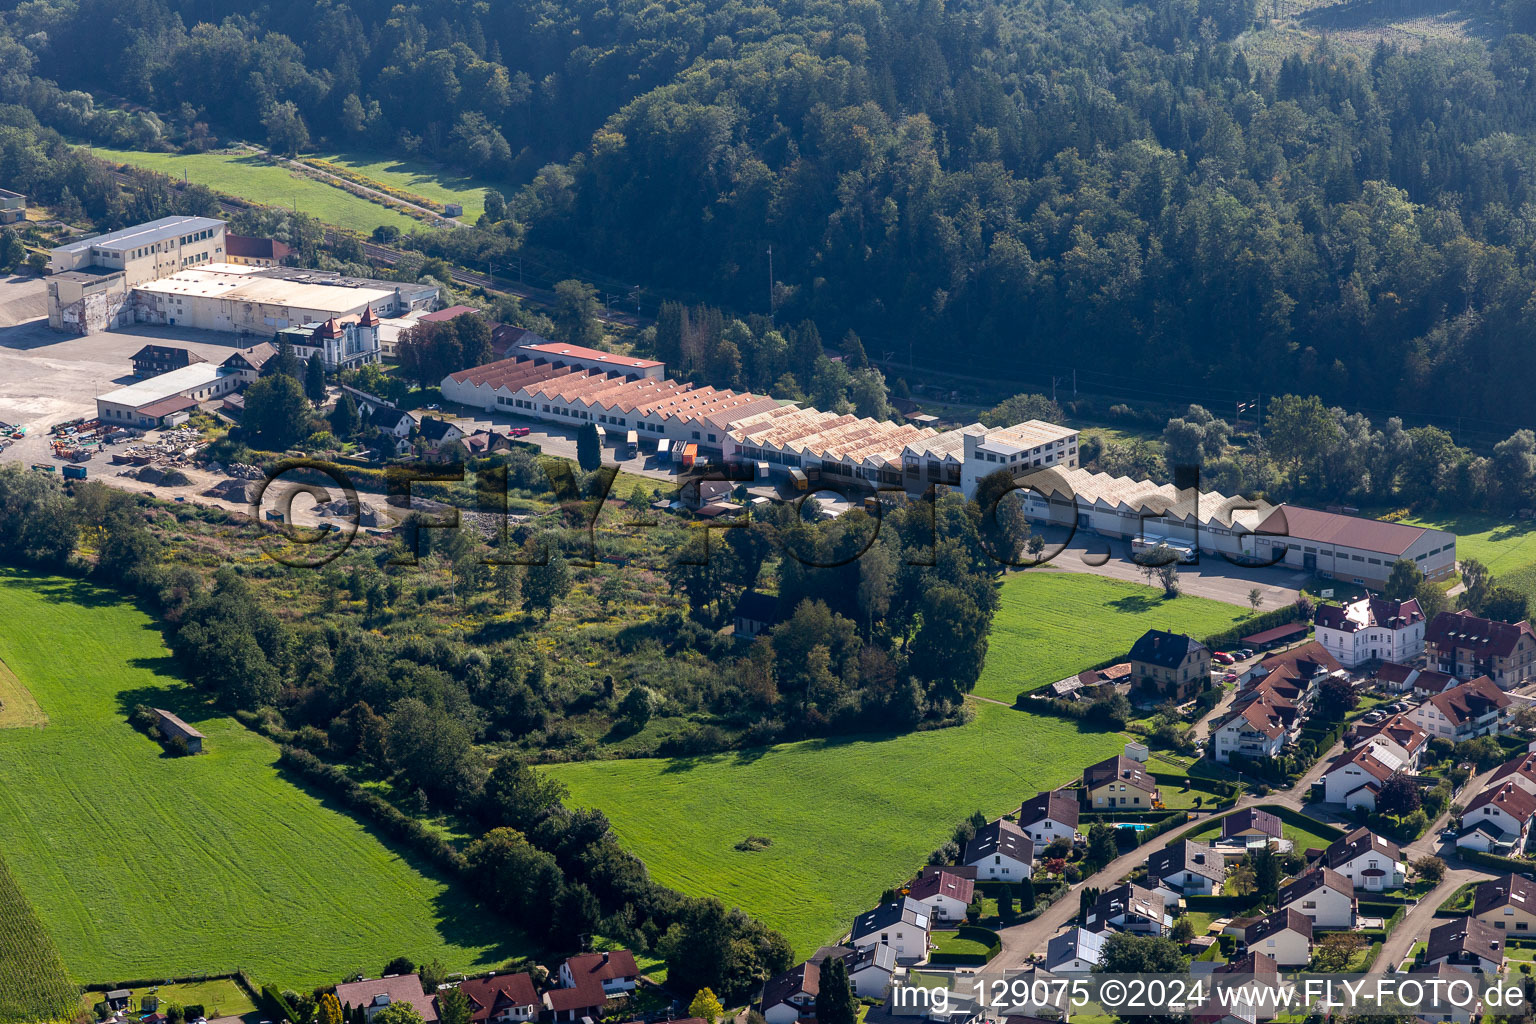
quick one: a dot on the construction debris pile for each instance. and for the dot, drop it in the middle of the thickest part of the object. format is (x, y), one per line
(172, 448)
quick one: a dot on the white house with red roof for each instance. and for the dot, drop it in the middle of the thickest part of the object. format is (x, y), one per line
(374, 995)
(614, 971)
(946, 895)
(1398, 735)
(1355, 777)
(1498, 820)
(501, 998)
(1475, 708)
(1371, 629)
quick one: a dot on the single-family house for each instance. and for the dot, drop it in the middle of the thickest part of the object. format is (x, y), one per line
(1187, 869)
(1077, 951)
(903, 924)
(586, 999)
(1119, 783)
(1466, 943)
(792, 995)
(1171, 665)
(247, 363)
(1285, 935)
(502, 998)
(1252, 827)
(1508, 903)
(1000, 852)
(1520, 770)
(1438, 1007)
(1466, 645)
(1428, 682)
(1253, 975)
(1395, 678)
(756, 613)
(1355, 777)
(438, 432)
(1129, 908)
(614, 971)
(870, 969)
(392, 421)
(1474, 708)
(1366, 859)
(1323, 895)
(1371, 629)
(1498, 820)
(946, 895)
(375, 994)
(1049, 816)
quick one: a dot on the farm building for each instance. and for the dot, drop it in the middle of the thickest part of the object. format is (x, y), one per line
(172, 726)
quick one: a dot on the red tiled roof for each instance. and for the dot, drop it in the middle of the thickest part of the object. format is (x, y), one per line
(1482, 636)
(619, 963)
(556, 348)
(1470, 700)
(586, 994)
(1299, 523)
(943, 883)
(449, 313)
(166, 406)
(487, 996)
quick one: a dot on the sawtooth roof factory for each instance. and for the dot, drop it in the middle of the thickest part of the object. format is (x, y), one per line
(176, 271)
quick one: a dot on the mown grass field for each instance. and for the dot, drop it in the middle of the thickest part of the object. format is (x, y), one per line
(417, 176)
(246, 176)
(18, 708)
(1050, 625)
(1506, 546)
(848, 818)
(143, 865)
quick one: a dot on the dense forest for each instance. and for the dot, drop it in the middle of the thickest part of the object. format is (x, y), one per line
(1012, 184)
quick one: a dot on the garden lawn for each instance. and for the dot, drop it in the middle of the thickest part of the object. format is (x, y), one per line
(1050, 625)
(143, 865)
(424, 179)
(848, 817)
(246, 176)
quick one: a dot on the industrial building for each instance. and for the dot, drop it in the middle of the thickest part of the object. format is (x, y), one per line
(175, 271)
(1331, 544)
(165, 400)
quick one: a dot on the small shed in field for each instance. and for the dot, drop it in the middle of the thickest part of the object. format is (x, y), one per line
(171, 725)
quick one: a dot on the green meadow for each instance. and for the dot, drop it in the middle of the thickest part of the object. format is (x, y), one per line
(143, 865)
(1050, 625)
(422, 178)
(247, 176)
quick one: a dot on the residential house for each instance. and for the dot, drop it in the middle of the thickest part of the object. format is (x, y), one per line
(1187, 869)
(1296, 671)
(1129, 908)
(1285, 935)
(439, 432)
(1257, 726)
(481, 443)
(13, 207)
(153, 360)
(903, 924)
(1520, 770)
(502, 998)
(1467, 943)
(1366, 859)
(756, 613)
(1371, 629)
(614, 971)
(1171, 665)
(392, 421)
(1000, 851)
(1398, 735)
(1252, 827)
(1355, 777)
(1323, 895)
(1508, 903)
(1395, 678)
(374, 995)
(1254, 974)
(1427, 682)
(870, 969)
(1465, 645)
(791, 995)
(1118, 782)
(1077, 951)
(1475, 708)
(1438, 1007)
(946, 895)
(248, 362)
(585, 1000)
(1049, 816)
(1498, 820)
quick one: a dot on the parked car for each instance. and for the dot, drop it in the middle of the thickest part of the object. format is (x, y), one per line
(1230, 677)
(1223, 658)
(1245, 654)
(434, 407)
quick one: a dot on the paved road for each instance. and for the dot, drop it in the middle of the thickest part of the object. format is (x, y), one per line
(1021, 940)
